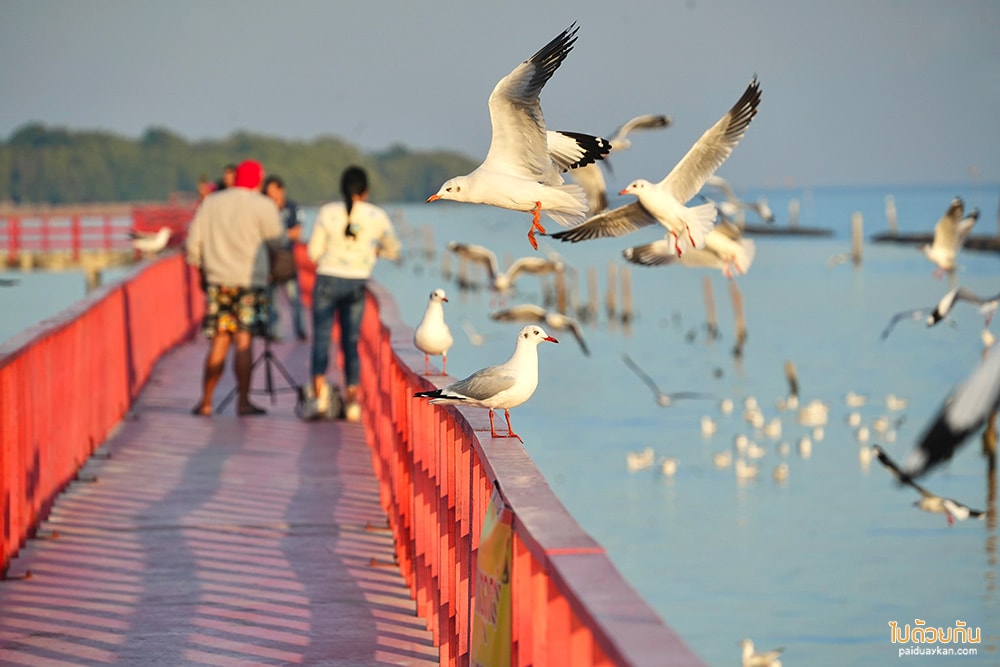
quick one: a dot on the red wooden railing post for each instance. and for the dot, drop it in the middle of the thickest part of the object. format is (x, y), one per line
(75, 237)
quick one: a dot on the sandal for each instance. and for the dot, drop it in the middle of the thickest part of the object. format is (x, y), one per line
(251, 411)
(199, 411)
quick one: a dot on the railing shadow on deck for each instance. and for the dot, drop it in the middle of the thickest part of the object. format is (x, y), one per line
(437, 468)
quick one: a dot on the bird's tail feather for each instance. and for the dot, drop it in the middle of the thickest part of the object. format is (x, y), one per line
(573, 206)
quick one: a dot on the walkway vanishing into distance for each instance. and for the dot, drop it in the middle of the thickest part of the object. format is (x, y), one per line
(215, 541)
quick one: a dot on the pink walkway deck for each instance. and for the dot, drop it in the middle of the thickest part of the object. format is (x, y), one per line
(222, 541)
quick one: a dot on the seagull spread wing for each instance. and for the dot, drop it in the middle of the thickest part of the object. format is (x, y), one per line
(915, 314)
(526, 312)
(643, 122)
(711, 150)
(946, 233)
(520, 144)
(479, 254)
(616, 222)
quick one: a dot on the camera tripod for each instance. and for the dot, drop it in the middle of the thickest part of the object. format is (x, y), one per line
(270, 361)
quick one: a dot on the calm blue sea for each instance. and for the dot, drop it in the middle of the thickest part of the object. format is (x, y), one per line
(819, 564)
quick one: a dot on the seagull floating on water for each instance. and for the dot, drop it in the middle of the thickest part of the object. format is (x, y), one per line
(765, 659)
(523, 168)
(664, 203)
(662, 399)
(506, 386)
(150, 243)
(590, 176)
(950, 234)
(432, 336)
(929, 502)
(963, 413)
(529, 312)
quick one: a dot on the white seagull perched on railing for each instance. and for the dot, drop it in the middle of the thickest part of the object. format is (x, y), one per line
(725, 249)
(963, 413)
(524, 166)
(987, 306)
(150, 244)
(950, 234)
(503, 281)
(591, 177)
(505, 386)
(665, 202)
(529, 312)
(432, 336)
(929, 502)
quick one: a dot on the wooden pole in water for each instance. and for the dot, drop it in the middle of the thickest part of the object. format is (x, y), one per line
(890, 215)
(793, 213)
(561, 291)
(793, 379)
(738, 318)
(857, 224)
(711, 317)
(626, 280)
(428, 242)
(610, 298)
(592, 295)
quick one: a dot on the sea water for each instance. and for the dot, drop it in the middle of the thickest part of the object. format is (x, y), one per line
(819, 564)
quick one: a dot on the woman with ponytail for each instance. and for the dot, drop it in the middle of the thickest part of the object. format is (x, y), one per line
(347, 239)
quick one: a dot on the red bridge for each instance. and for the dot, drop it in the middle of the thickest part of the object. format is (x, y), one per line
(133, 532)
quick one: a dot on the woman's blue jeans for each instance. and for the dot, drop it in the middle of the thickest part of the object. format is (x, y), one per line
(343, 298)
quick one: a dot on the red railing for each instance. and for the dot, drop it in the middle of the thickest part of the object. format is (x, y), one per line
(83, 228)
(65, 383)
(437, 468)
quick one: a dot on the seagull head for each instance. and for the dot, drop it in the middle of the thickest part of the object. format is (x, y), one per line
(439, 295)
(534, 334)
(454, 189)
(636, 187)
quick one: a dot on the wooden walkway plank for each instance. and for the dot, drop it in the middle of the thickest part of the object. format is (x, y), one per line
(215, 541)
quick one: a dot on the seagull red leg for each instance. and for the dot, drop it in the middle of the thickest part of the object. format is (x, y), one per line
(510, 431)
(677, 246)
(535, 224)
(493, 431)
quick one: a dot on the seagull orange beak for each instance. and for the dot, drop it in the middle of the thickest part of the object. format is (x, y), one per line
(623, 192)
(445, 299)
(433, 197)
(550, 339)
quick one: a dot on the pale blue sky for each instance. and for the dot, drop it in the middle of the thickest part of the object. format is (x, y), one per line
(854, 91)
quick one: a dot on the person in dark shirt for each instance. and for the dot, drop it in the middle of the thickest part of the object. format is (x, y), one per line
(291, 217)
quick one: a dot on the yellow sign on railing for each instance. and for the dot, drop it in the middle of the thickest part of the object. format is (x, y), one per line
(491, 637)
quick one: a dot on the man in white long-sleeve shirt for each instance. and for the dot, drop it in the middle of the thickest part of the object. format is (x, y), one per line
(227, 240)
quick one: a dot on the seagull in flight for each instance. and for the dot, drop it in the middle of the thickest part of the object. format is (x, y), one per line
(733, 208)
(529, 312)
(662, 399)
(929, 502)
(503, 281)
(525, 162)
(963, 413)
(987, 306)
(665, 202)
(725, 249)
(592, 178)
(752, 658)
(950, 234)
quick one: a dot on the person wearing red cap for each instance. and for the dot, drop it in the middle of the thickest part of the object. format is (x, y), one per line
(227, 241)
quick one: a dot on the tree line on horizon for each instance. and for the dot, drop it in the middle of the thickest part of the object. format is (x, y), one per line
(54, 165)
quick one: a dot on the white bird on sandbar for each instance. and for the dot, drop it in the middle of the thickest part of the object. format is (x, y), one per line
(150, 243)
(725, 249)
(524, 166)
(432, 336)
(950, 234)
(503, 281)
(529, 312)
(665, 202)
(506, 386)
(591, 177)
